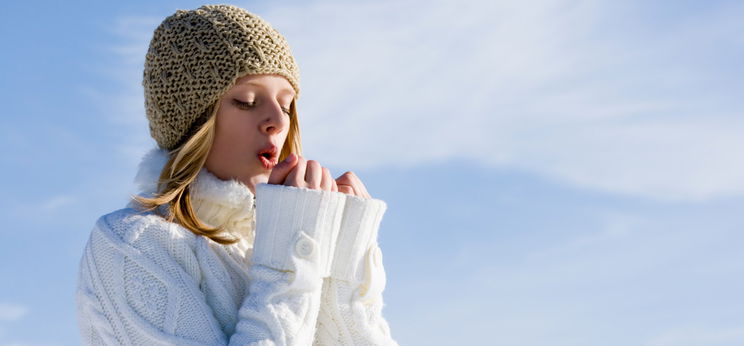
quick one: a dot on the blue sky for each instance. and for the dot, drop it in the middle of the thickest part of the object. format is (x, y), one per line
(556, 172)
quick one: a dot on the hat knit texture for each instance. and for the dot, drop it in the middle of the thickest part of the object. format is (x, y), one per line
(195, 56)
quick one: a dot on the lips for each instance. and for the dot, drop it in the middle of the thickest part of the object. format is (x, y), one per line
(268, 156)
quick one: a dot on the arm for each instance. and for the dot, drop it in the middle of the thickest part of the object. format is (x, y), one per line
(351, 307)
(293, 250)
(146, 295)
(133, 291)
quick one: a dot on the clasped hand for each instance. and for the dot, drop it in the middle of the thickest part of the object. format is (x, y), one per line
(297, 171)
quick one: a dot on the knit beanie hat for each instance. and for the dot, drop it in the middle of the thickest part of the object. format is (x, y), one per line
(195, 56)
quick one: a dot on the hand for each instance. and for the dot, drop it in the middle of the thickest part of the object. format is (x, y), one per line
(350, 184)
(296, 171)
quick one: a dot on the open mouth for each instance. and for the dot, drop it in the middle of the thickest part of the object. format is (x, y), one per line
(268, 157)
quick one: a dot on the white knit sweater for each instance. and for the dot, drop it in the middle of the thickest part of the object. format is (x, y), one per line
(312, 274)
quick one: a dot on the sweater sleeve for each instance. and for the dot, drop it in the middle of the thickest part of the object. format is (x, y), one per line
(293, 249)
(144, 295)
(351, 307)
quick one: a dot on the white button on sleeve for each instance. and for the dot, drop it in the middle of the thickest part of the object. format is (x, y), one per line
(305, 247)
(287, 214)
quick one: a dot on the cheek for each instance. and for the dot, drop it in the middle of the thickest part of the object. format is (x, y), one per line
(233, 136)
(235, 125)
(285, 134)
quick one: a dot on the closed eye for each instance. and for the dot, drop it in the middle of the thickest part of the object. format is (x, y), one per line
(243, 104)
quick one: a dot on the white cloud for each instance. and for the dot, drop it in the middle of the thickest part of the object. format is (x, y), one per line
(526, 85)
(54, 203)
(548, 86)
(40, 211)
(124, 107)
(618, 277)
(12, 312)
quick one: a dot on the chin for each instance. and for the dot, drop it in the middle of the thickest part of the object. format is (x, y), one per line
(255, 179)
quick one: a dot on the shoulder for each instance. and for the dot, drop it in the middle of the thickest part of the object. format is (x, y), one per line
(127, 244)
(145, 236)
(141, 266)
(131, 226)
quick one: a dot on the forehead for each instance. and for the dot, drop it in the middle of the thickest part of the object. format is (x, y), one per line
(267, 81)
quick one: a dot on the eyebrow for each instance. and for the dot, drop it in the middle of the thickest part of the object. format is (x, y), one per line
(281, 91)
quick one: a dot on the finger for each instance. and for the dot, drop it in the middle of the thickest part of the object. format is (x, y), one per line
(313, 174)
(296, 177)
(358, 185)
(345, 184)
(346, 189)
(349, 178)
(326, 181)
(335, 186)
(344, 179)
(281, 170)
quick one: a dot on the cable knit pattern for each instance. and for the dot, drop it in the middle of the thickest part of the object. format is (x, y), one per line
(146, 281)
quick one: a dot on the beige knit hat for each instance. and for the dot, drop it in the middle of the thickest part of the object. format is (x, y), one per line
(195, 56)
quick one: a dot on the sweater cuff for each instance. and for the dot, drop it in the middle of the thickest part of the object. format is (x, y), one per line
(359, 227)
(296, 224)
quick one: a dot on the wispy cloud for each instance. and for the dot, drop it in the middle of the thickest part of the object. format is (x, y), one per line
(618, 277)
(53, 203)
(588, 93)
(546, 86)
(123, 107)
(12, 312)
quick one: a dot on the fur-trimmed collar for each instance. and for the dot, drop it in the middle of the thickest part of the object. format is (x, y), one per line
(226, 203)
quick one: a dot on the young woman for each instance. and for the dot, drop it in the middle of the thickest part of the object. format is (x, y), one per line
(235, 238)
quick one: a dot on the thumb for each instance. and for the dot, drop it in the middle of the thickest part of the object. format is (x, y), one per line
(282, 169)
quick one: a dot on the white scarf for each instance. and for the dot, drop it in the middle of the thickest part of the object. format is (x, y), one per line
(226, 203)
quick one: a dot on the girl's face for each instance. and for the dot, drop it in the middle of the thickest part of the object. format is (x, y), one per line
(251, 127)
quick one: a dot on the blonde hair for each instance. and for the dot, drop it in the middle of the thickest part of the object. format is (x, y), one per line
(183, 166)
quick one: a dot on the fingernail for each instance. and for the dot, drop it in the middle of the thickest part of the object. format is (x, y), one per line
(291, 157)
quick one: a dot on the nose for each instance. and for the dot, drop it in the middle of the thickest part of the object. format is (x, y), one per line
(275, 121)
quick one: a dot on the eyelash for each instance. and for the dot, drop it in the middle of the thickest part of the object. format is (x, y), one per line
(244, 104)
